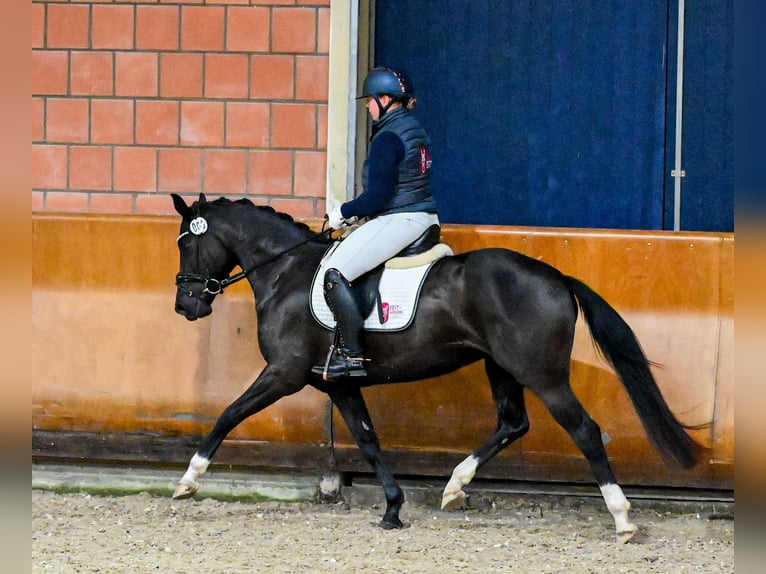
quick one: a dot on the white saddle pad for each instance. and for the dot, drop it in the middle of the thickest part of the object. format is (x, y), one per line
(399, 291)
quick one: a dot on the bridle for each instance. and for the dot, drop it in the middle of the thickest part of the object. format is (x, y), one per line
(215, 286)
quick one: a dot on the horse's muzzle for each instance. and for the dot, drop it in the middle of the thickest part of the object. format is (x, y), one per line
(192, 308)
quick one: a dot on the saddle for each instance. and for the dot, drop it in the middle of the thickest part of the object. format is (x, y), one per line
(387, 295)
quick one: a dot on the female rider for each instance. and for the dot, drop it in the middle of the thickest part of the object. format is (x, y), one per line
(396, 200)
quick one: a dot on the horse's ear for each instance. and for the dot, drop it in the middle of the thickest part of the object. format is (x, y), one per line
(180, 205)
(202, 198)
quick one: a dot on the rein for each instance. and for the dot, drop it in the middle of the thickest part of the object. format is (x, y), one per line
(216, 286)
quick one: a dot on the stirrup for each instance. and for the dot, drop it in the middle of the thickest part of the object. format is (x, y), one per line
(339, 365)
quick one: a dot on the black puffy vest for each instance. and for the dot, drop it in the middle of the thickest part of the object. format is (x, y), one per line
(413, 188)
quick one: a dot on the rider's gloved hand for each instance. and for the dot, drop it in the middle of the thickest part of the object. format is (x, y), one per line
(335, 219)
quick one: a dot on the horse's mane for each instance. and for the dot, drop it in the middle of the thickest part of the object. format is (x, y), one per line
(272, 212)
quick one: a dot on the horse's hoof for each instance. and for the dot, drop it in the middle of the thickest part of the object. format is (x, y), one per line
(625, 535)
(391, 524)
(453, 500)
(184, 491)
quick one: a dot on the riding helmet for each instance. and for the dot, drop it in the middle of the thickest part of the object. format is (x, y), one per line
(385, 81)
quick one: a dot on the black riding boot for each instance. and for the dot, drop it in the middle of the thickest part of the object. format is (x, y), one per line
(347, 360)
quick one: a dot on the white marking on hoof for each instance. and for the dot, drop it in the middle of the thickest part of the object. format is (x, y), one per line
(187, 486)
(453, 500)
(623, 537)
(618, 505)
(184, 491)
(463, 474)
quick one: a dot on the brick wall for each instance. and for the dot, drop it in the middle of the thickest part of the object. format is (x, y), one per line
(132, 100)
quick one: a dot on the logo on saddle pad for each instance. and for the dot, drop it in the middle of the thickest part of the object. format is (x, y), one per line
(399, 289)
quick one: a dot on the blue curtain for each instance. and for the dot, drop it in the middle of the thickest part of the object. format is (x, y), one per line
(707, 198)
(542, 113)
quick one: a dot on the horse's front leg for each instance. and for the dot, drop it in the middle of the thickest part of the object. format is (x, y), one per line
(352, 407)
(270, 386)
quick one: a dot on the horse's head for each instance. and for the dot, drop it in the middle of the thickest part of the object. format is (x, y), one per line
(205, 259)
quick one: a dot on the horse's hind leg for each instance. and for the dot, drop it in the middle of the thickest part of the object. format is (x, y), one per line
(512, 423)
(572, 416)
(352, 407)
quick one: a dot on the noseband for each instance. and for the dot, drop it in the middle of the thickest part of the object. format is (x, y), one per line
(211, 285)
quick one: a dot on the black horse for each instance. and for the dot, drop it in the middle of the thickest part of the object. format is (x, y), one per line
(513, 312)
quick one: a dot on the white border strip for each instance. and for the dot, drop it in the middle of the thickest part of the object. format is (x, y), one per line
(341, 112)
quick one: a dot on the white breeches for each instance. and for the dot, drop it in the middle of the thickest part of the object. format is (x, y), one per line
(377, 241)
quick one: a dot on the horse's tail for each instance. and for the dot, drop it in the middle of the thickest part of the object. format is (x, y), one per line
(619, 345)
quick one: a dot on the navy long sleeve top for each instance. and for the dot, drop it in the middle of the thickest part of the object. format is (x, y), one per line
(386, 152)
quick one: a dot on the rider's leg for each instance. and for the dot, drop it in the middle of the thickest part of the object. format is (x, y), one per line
(367, 247)
(348, 360)
(377, 241)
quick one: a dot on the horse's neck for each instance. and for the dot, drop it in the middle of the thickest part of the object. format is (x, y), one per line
(260, 253)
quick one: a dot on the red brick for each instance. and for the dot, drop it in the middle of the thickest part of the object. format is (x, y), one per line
(38, 201)
(322, 127)
(66, 201)
(38, 25)
(90, 168)
(247, 29)
(180, 170)
(226, 76)
(202, 123)
(310, 174)
(67, 120)
(181, 75)
(270, 172)
(49, 167)
(247, 124)
(111, 202)
(111, 121)
(296, 207)
(68, 26)
(136, 74)
(225, 171)
(323, 31)
(112, 27)
(160, 204)
(293, 126)
(202, 27)
(92, 73)
(271, 77)
(314, 2)
(38, 119)
(157, 122)
(157, 27)
(50, 72)
(312, 78)
(294, 30)
(135, 169)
